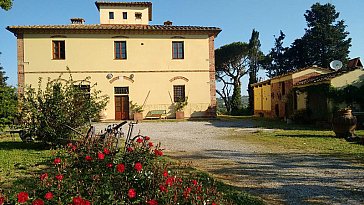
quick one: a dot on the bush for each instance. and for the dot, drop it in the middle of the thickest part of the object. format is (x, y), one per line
(8, 104)
(91, 172)
(301, 116)
(45, 113)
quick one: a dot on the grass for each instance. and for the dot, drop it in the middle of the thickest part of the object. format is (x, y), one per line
(299, 139)
(19, 161)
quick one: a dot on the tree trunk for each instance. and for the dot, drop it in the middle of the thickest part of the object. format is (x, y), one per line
(236, 103)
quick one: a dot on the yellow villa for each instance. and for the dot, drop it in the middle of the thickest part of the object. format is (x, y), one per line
(130, 60)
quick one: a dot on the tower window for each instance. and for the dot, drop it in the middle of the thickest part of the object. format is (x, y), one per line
(111, 15)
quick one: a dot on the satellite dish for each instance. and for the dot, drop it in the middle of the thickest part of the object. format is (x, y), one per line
(336, 64)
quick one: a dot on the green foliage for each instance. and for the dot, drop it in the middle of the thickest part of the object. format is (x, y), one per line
(6, 4)
(325, 39)
(180, 104)
(236, 102)
(8, 104)
(231, 61)
(255, 57)
(135, 108)
(44, 113)
(8, 101)
(277, 61)
(89, 171)
(349, 95)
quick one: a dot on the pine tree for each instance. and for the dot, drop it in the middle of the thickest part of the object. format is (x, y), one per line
(277, 58)
(325, 39)
(254, 59)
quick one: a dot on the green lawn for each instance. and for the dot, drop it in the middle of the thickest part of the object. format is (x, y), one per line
(300, 139)
(19, 161)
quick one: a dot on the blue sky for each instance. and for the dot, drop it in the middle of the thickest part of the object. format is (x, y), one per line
(236, 18)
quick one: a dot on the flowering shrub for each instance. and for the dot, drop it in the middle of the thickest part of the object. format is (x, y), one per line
(92, 172)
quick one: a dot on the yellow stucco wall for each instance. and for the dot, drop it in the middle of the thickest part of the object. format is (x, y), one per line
(355, 78)
(118, 15)
(262, 97)
(149, 59)
(301, 100)
(258, 98)
(266, 97)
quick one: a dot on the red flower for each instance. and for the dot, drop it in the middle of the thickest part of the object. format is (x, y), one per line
(130, 149)
(187, 192)
(165, 174)
(43, 176)
(131, 193)
(86, 202)
(158, 152)
(23, 197)
(139, 140)
(120, 168)
(109, 165)
(48, 196)
(152, 202)
(2, 200)
(100, 155)
(38, 202)
(57, 160)
(213, 203)
(59, 177)
(150, 144)
(147, 138)
(88, 158)
(138, 166)
(163, 188)
(194, 182)
(169, 181)
(106, 151)
(77, 200)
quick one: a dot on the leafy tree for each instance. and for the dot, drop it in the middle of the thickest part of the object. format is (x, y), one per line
(231, 62)
(277, 61)
(3, 78)
(6, 4)
(255, 55)
(325, 39)
(45, 113)
(8, 101)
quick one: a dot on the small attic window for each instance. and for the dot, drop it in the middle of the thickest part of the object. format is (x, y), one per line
(125, 15)
(138, 15)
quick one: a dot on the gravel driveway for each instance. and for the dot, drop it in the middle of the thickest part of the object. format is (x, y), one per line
(276, 177)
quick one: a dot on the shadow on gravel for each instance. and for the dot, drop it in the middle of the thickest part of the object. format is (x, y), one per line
(294, 178)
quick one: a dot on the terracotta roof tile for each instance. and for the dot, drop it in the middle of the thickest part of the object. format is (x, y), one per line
(353, 63)
(20, 29)
(323, 77)
(290, 73)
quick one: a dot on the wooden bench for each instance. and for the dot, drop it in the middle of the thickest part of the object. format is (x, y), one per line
(156, 114)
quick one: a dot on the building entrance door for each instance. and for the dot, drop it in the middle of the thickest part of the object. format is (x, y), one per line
(121, 107)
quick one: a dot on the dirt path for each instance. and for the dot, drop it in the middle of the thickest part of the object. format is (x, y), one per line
(275, 176)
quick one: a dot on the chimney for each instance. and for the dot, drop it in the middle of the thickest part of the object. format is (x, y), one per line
(168, 23)
(77, 20)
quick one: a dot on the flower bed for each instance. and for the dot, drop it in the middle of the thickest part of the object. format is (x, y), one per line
(91, 172)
